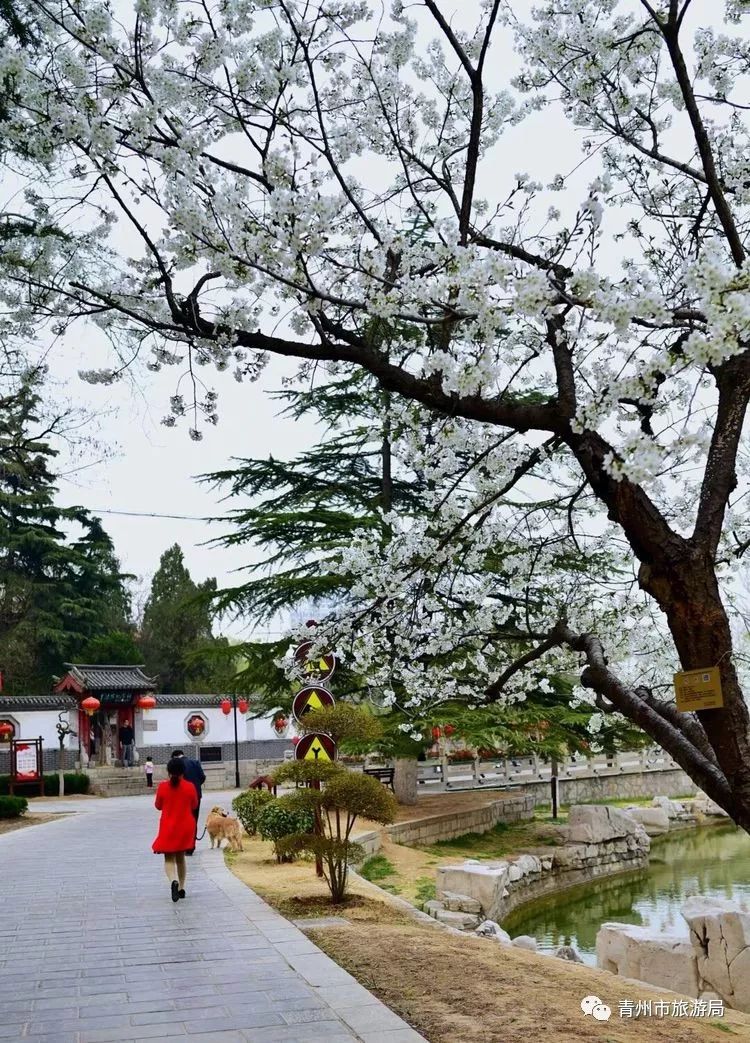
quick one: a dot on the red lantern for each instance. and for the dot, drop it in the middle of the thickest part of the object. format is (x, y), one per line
(243, 705)
(90, 704)
(280, 724)
(6, 731)
(226, 707)
(295, 740)
(146, 703)
(449, 729)
(436, 733)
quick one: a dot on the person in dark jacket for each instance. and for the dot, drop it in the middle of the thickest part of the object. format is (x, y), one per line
(127, 742)
(193, 773)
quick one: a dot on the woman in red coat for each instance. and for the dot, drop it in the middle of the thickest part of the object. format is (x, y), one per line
(176, 798)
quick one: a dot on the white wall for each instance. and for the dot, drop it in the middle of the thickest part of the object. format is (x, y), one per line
(33, 723)
(170, 727)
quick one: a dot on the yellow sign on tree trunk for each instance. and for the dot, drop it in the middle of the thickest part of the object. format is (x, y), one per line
(698, 690)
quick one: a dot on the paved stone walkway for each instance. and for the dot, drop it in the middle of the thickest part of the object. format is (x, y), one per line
(93, 950)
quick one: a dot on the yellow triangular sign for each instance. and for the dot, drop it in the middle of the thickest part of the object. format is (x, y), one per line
(317, 752)
(313, 702)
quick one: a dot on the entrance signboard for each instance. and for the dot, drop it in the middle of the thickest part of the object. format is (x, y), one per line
(26, 763)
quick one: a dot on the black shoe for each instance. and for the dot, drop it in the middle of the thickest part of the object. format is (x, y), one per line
(181, 893)
(175, 891)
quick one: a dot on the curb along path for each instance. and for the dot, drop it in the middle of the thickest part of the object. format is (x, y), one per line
(92, 950)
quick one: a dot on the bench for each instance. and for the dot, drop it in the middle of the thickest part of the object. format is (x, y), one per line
(384, 775)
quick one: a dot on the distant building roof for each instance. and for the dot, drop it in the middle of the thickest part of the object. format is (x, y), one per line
(62, 701)
(100, 678)
(191, 701)
(58, 701)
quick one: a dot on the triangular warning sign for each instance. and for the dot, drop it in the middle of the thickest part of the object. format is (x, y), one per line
(317, 752)
(313, 702)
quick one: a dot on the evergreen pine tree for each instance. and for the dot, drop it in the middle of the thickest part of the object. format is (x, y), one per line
(56, 592)
(301, 514)
(177, 633)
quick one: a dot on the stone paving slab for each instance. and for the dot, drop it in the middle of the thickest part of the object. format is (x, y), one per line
(93, 950)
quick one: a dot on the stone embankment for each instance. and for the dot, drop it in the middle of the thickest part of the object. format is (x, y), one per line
(599, 841)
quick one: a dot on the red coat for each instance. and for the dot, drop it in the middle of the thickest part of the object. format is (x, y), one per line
(177, 823)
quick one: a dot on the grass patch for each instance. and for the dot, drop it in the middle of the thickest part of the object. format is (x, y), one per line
(425, 890)
(501, 840)
(377, 867)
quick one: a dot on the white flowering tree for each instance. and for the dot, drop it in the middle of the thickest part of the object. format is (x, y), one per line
(246, 177)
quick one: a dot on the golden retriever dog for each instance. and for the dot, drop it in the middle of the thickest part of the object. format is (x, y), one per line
(221, 826)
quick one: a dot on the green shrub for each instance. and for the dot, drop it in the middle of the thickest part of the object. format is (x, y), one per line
(13, 807)
(347, 795)
(75, 782)
(248, 807)
(282, 817)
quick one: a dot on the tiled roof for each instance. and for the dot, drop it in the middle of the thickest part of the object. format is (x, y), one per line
(60, 701)
(98, 678)
(190, 701)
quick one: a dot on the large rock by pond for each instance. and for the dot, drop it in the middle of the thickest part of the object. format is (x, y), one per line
(634, 952)
(720, 938)
(713, 961)
(598, 824)
(654, 820)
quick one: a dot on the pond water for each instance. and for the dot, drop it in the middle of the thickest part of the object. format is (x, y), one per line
(713, 861)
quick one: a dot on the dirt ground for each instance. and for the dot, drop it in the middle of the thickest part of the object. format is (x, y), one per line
(31, 818)
(462, 989)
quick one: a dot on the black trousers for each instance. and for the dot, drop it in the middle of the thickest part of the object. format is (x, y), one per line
(149, 781)
(196, 816)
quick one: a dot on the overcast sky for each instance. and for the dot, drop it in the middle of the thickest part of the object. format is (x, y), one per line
(151, 469)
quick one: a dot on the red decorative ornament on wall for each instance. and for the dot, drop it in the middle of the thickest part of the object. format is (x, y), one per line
(196, 725)
(436, 733)
(6, 731)
(243, 705)
(280, 724)
(449, 729)
(295, 740)
(226, 706)
(146, 703)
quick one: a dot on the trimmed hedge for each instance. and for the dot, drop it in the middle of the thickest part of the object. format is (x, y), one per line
(248, 807)
(13, 807)
(75, 782)
(280, 818)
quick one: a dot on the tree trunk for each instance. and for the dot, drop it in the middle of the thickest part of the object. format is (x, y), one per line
(689, 596)
(61, 771)
(405, 780)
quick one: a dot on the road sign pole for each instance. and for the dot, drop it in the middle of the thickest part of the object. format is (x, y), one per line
(236, 746)
(318, 830)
